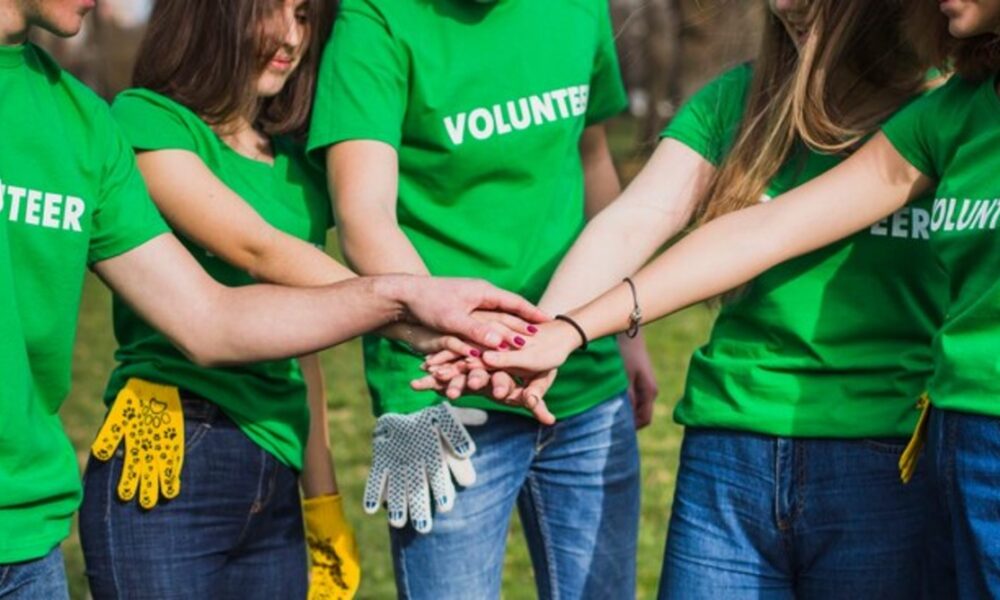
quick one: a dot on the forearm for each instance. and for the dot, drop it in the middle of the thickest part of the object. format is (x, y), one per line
(600, 178)
(290, 261)
(654, 208)
(737, 247)
(206, 211)
(318, 474)
(379, 246)
(214, 324)
(614, 245)
(364, 176)
(257, 323)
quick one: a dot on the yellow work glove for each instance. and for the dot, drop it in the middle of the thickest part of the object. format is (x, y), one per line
(149, 418)
(335, 571)
(908, 460)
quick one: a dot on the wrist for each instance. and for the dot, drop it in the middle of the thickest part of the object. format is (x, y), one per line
(393, 292)
(567, 338)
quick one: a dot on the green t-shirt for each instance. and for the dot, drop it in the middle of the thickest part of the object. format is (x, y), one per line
(952, 135)
(485, 105)
(268, 399)
(835, 343)
(70, 196)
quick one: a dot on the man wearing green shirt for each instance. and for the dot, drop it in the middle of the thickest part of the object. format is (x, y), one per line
(466, 139)
(71, 198)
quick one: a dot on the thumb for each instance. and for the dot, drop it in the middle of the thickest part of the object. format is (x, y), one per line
(470, 328)
(505, 360)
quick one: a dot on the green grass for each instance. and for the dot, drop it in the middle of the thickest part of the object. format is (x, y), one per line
(670, 343)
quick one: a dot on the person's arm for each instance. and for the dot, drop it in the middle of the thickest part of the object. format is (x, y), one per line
(617, 241)
(205, 210)
(216, 325)
(622, 233)
(318, 475)
(600, 178)
(364, 181)
(655, 207)
(200, 206)
(733, 249)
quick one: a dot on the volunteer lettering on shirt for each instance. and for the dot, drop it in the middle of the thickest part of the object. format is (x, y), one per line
(515, 115)
(952, 215)
(49, 210)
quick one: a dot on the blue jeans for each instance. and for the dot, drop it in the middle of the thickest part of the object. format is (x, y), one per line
(758, 516)
(963, 452)
(235, 530)
(576, 486)
(40, 579)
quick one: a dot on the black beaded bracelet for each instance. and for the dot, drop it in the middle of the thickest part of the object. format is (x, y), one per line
(576, 326)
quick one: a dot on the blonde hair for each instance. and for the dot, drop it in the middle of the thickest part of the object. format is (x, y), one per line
(854, 70)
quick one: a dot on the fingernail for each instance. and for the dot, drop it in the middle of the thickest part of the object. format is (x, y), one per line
(532, 329)
(504, 346)
(519, 340)
(475, 353)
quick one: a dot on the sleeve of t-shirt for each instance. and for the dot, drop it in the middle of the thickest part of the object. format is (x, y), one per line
(125, 216)
(607, 96)
(362, 90)
(910, 130)
(153, 122)
(709, 119)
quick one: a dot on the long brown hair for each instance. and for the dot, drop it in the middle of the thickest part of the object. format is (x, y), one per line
(974, 58)
(854, 70)
(208, 54)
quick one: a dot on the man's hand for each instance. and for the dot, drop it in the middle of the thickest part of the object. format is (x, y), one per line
(447, 305)
(422, 340)
(642, 388)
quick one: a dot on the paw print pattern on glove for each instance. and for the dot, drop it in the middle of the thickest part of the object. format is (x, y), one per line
(149, 419)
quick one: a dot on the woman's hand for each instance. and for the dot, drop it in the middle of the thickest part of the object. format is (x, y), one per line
(548, 350)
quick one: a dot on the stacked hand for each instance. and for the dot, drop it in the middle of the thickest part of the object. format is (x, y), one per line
(518, 377)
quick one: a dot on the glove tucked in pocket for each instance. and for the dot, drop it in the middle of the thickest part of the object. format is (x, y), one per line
(335, 566)
(149, 418)
(415, 456)
(908, 460)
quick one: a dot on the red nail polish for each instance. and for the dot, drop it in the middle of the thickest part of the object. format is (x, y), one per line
(519, 340)
(475, 353)
(504, 346)
(532, 329)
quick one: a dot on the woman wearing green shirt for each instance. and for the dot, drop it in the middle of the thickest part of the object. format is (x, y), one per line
(214, 119)
(797, 407)
(946, 143)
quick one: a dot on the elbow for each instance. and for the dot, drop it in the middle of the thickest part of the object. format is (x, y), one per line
(203, 335)
(201, 351)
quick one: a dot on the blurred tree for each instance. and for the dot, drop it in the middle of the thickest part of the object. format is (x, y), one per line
(670, 48)
(102, 54)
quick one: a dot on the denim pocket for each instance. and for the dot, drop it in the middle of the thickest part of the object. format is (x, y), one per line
(893, 446)
(199, 416)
